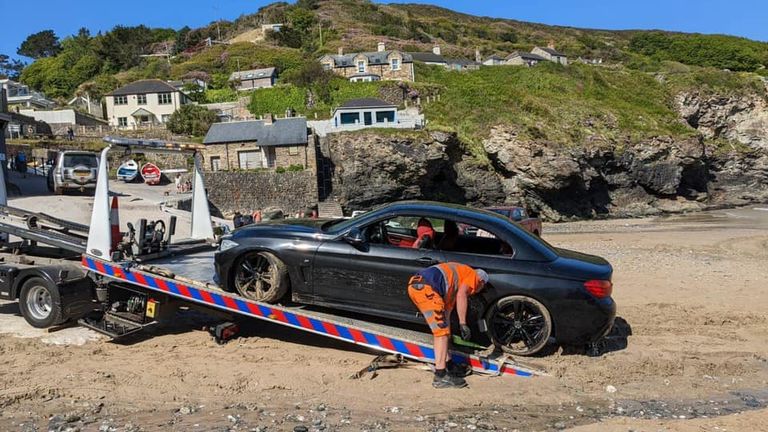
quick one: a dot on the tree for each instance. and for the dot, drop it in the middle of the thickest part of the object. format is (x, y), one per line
(191, 120)
(39, 45)
(10, 68)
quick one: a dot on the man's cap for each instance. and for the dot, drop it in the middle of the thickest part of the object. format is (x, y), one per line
(482, 275)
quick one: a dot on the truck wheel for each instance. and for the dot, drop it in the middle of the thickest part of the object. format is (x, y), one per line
(40, 303)
(261, 276)
(58, 190)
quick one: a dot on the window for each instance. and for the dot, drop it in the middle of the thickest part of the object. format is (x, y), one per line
(121, 100)
(327, 66)
(395, 64)
(361, 66)
(215, 163)
(293, 151)
(141, 99)
(385, 116)
(350, 118)
(164, 98)
(122, 121)
(250, 159)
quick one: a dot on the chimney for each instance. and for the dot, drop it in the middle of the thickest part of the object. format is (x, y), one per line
(341, 51)
(436, 49)
(268, 119)
(381, 47)
(551, 44)
(288, 113)
(478, 57)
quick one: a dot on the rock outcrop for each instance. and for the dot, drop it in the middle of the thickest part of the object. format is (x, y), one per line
(562, 182)
(743, 119)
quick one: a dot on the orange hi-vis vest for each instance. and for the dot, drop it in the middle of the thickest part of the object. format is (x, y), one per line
(453, 275)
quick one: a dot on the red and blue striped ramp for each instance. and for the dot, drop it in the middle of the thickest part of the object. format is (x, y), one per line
(299, 319)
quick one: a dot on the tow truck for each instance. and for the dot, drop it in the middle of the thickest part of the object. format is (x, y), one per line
(120, 283)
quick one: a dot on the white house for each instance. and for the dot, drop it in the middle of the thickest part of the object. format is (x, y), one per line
(143, 103)
(20, 95)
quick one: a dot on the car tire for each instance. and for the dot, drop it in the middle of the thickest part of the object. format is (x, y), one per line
(261, 276)
(519, 325)
(40, 303)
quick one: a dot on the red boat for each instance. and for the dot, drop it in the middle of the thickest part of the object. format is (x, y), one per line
(151, 174)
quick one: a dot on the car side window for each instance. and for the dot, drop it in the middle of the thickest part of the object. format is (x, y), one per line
(476, 240)
(518, 214)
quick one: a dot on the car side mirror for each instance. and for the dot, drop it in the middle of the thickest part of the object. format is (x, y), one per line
(354, 237)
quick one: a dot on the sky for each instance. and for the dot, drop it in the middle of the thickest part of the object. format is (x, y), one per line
(748, 18)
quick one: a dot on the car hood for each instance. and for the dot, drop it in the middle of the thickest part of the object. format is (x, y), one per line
(281, 228)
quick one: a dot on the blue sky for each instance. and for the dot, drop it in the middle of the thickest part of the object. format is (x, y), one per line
(747, 18)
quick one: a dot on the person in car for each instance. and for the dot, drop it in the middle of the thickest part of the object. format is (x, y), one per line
(436, 291)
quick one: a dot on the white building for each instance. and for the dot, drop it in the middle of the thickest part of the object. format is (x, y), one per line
(20, 95)
(143, 103)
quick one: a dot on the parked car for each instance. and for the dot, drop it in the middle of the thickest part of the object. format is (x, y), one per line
(536, 291)
(520, 215)
(73, 170)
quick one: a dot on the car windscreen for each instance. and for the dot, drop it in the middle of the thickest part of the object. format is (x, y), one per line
(85, 159)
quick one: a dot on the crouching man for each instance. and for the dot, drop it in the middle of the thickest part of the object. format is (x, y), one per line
(436, 291)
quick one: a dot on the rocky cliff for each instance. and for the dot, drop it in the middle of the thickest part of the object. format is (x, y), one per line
(725, 165)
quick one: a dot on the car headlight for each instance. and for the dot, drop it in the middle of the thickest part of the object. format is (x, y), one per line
(227, 244)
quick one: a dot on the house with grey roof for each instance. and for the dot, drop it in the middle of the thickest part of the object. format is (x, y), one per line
(381, 64)
(21, 96)
(364, 113)
(494, 60)
(518, 58)
(551, 54)
(143, 103)
(432, 58)
(253, 78)
(268, 143)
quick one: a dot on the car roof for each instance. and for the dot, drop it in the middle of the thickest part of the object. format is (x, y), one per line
(532, 248)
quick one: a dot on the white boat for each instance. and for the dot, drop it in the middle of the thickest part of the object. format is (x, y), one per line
(128, 171)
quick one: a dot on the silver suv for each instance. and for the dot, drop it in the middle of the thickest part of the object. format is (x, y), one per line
(73, 170)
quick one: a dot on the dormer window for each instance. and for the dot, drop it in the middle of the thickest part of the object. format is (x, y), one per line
(395, 63)
(361, 66)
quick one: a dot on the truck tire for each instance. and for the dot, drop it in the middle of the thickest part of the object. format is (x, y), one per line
(40, 303)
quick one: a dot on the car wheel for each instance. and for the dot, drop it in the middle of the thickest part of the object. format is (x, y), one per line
(519, 325)
(40, 303)
(261, 276)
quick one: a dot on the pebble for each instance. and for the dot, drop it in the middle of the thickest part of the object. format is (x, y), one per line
(486, 426)
(320, 407)
(610, 389)
(300, 428)
(560, 425)
(471, 427)
(452, 424)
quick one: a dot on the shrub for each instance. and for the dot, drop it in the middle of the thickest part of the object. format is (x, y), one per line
(191, 120)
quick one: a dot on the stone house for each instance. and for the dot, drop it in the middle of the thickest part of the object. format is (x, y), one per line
(268, 143)
(494, 60)
(382, 64)
(431, 58)
(253, 79)
(551, 54)
(143, 103)
(365, 112)
(524, 59)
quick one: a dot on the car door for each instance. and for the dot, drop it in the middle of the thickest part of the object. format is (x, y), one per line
(372, 277)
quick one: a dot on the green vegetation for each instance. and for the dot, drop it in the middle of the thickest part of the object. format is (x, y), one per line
(191, 120)
(280, 98)
(291, 168)
(718, 51)
(39, 45)
(563, 104)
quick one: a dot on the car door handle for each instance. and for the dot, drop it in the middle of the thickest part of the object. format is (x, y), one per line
(427, 261)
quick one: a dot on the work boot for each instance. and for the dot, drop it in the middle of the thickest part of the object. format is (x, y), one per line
(458, 369)
(448, 381)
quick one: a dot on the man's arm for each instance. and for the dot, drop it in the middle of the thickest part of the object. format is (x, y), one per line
(461, 303)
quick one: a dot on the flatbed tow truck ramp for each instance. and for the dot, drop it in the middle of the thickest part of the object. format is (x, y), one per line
(120, 286)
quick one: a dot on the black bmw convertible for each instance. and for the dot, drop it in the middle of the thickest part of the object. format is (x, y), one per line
(537, 292)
